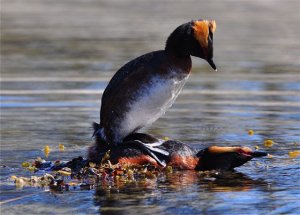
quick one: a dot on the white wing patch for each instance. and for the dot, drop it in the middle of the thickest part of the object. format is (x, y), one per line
(151, 103)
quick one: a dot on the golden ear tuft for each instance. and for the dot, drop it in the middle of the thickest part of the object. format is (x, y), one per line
(212, 26)
(222, 149)
(201, 32)
(202, 29)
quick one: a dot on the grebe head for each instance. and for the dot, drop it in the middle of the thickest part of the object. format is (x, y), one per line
(225, 158)
(193, 38)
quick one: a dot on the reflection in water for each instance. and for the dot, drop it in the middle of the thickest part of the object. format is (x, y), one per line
(57, 60)
(147, 195)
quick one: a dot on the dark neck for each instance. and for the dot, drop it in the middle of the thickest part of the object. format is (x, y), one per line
(179, 60)
(176, 47)
(178, 44)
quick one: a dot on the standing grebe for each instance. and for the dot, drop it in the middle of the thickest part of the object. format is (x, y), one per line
(143, 89)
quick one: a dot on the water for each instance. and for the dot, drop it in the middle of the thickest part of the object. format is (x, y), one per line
(57, 58)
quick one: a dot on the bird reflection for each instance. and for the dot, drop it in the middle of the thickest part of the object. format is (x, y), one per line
(146, 195)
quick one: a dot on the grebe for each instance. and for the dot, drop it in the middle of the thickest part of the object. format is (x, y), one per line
(180, 155)
(143, 89)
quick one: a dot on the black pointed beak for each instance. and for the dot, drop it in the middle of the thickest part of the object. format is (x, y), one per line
(212, 64)
(259, 154)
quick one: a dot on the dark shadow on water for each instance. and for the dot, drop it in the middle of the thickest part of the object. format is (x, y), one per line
(163, 194)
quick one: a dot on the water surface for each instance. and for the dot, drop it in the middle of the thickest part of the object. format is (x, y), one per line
(58, 57)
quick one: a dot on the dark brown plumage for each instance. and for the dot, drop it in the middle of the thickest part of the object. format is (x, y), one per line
(181, 156)
(144, 88)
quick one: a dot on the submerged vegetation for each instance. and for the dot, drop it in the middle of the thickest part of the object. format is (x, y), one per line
(79, 172)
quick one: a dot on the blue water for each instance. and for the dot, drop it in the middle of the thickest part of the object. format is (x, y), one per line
(58, 58)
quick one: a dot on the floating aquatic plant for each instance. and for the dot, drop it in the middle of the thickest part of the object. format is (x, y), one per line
(61, 147)
(250, 132)
(268, 143)
(47, 151)
(294, 154)
(79, 172)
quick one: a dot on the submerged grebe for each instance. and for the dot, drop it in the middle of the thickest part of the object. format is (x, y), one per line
(143, 89)
(180, 155)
